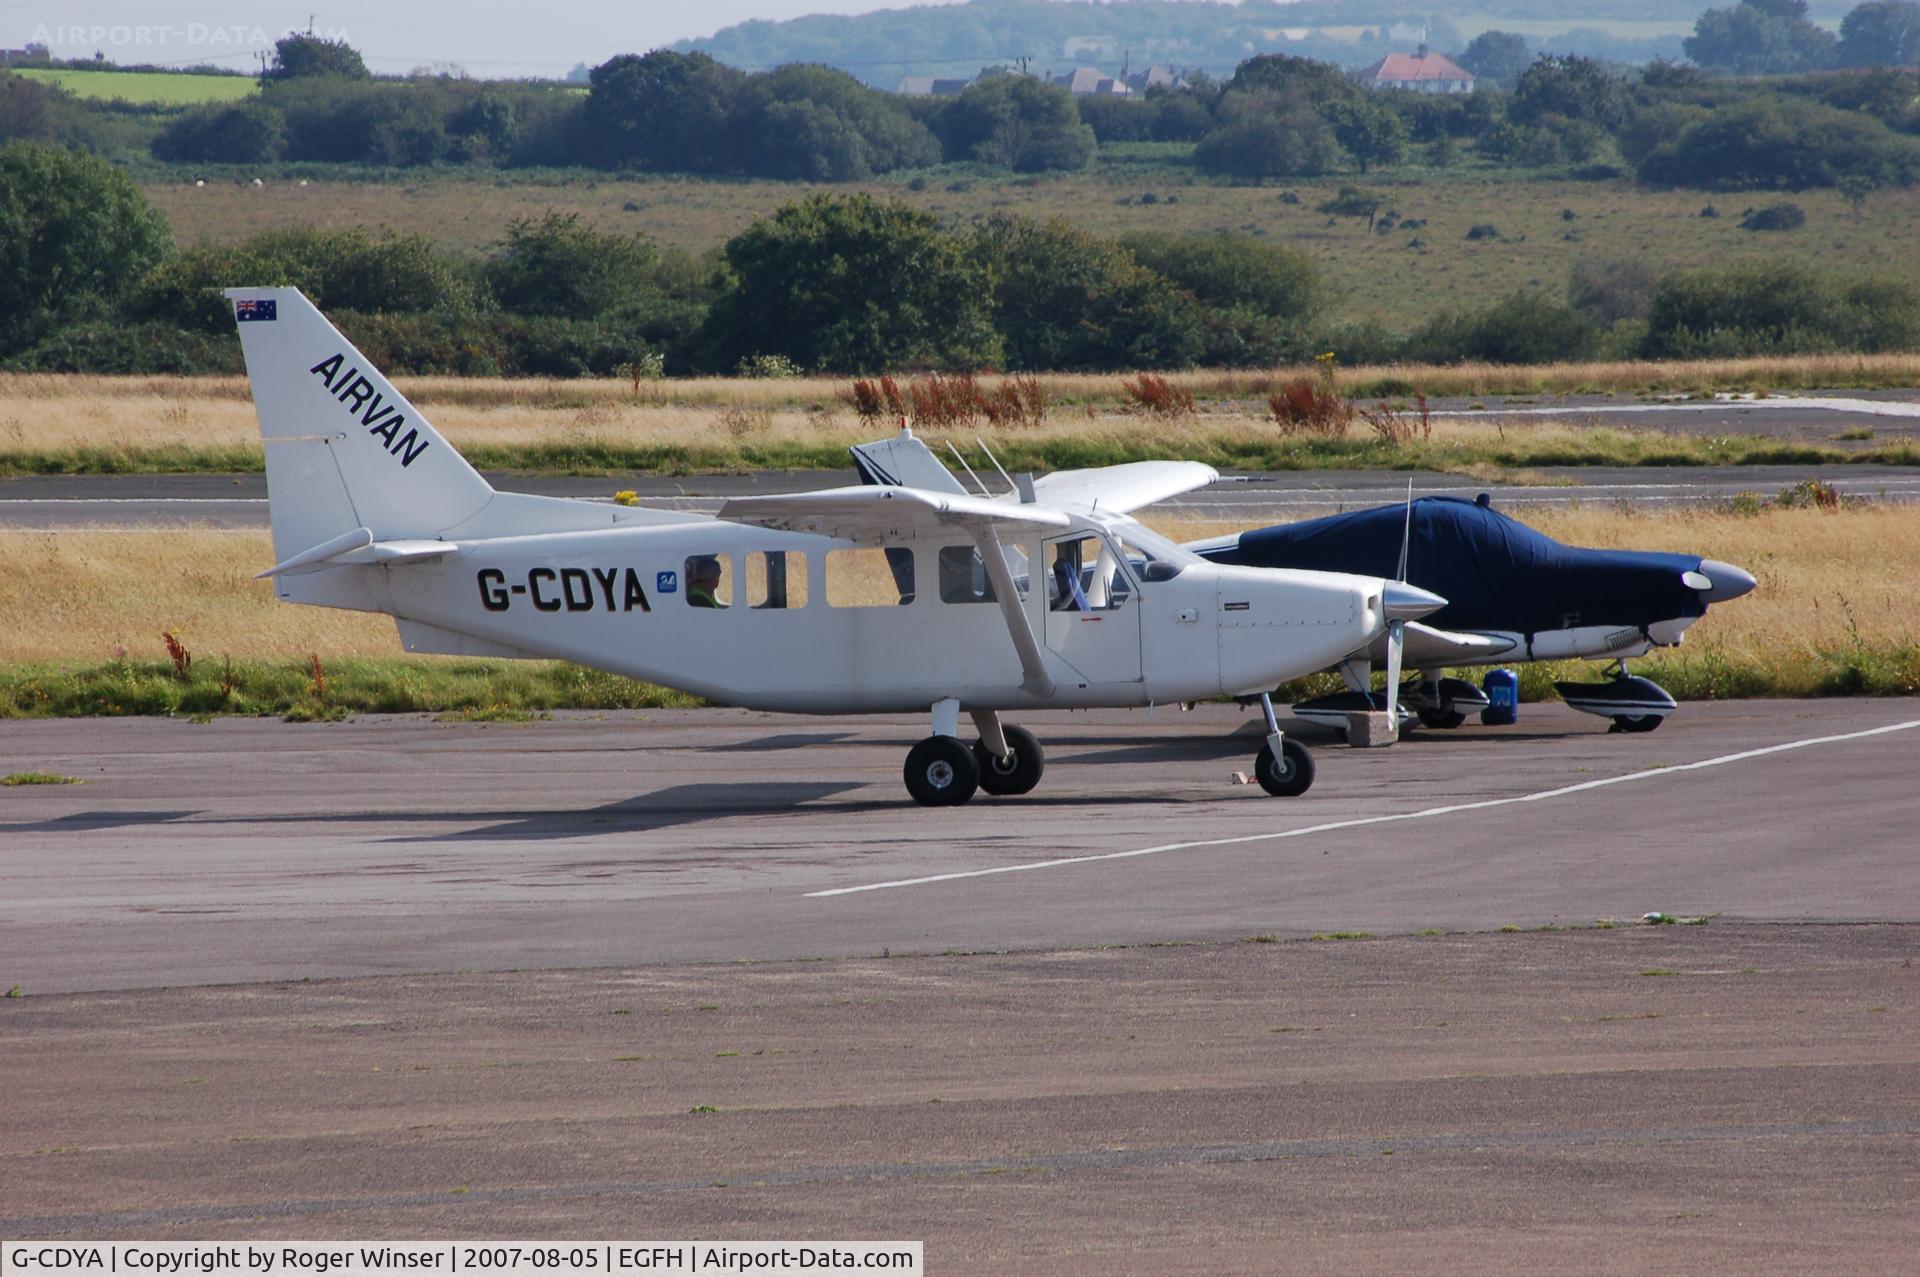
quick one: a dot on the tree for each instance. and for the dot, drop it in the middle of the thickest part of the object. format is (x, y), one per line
(1760, 37)
(26, 110)
(1497, 57)
(1257, 299)
(1355, 201)
(851, 284)
(1783, 143)
(1572, 88)
(1268, 134)
(246, 133)
(1371, 133)
(815, 123)
(666, 111)
(1066, 299)
(1880, 33)
(75, 233)
(299, 55)
(1018, 122)
(557, 265)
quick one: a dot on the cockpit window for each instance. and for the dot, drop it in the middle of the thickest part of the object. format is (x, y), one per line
(1084, 575)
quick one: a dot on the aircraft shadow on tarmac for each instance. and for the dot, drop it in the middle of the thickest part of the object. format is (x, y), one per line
(103, 820)
(790, 740)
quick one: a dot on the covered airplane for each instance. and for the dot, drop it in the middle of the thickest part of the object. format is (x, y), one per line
(865, 599)
(1513, 594)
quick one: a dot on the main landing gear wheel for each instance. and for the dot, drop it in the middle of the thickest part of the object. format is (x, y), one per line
(1440, 719)
(941, 772)
(1019, 772)
(1288, 776)
(1637, 722)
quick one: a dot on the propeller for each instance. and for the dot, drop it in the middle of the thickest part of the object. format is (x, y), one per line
(1397, 626)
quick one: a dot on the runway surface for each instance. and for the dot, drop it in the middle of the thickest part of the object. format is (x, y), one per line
(710, 974)
(240, 501)
(250, 849)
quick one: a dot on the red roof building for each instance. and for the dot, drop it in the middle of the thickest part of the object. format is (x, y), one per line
(1423, 71)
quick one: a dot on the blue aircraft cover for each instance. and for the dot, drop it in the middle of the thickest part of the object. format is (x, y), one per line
(1496, 573)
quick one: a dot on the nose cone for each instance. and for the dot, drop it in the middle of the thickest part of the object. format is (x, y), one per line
(1403, 602)
(1725, 581)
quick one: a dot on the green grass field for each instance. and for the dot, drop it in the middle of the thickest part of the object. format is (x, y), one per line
(159, 87)
(1383, 276)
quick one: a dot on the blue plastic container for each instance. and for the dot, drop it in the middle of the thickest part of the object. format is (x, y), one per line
(1503, 698)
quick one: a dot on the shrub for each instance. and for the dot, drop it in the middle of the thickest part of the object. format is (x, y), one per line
(249, 133)
(1304, 406)
(1267, 134)
(1159, 397)
(1782, 143)
(1774, 217)
(1606, 292)
(1776, 307)
(1522, 328)
(1483, 230)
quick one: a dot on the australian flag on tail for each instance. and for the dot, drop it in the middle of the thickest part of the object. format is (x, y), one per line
(252, 311)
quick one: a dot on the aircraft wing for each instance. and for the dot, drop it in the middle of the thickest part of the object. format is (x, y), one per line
(1429, 648)
(872, 514)
(1124, 488)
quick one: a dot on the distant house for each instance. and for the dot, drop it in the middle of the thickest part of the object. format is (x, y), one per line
(1085, 81)
(1423, 71)
(927, 86)
(1156, 77)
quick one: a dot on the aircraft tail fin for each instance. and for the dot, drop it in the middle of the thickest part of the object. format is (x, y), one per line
(345, 449)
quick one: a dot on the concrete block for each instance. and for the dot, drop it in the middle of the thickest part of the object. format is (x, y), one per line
(1371, 729)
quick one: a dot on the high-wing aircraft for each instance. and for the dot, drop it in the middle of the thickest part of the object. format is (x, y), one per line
(1513, 594)
(849, 600)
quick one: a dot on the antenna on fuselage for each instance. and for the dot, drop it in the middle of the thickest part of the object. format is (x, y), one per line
(1011, 485)
(969, 469)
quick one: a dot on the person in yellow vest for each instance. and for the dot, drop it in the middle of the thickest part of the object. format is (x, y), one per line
(703, 582)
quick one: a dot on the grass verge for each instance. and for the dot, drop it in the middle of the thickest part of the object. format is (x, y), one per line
(485, 691)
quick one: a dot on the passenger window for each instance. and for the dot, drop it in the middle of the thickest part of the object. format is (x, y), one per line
(709, 581)
(1083, 575)
(963, 576)
(776, 579)
(870, 578)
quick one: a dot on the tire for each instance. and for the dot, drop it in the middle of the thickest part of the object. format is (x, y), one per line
(1440, 719)
(1016, 775)
(1637, 722)
(1289, 776)
(941, 772)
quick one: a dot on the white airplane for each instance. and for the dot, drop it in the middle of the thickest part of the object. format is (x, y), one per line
(851, 600)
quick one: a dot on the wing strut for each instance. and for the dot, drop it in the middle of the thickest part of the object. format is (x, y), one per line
(1019, 628)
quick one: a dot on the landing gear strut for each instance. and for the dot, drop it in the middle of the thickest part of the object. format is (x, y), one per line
(1283, 767)
(942, 771)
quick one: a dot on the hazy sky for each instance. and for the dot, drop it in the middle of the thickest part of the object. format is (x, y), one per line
(488, 37)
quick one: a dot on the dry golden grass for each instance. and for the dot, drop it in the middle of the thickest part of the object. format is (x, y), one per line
(84, 596)
(182, 418)
(147, 397)
(87, 596)
(1823, 576)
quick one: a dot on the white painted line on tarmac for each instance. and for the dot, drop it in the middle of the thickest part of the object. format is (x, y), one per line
(1719, 403)
(1363, 821)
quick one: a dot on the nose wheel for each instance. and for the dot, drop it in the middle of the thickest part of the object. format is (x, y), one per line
(1283, 766)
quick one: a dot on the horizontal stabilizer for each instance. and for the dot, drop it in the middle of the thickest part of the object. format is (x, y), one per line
(358, 548)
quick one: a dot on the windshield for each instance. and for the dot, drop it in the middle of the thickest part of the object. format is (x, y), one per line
(1155, 556)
